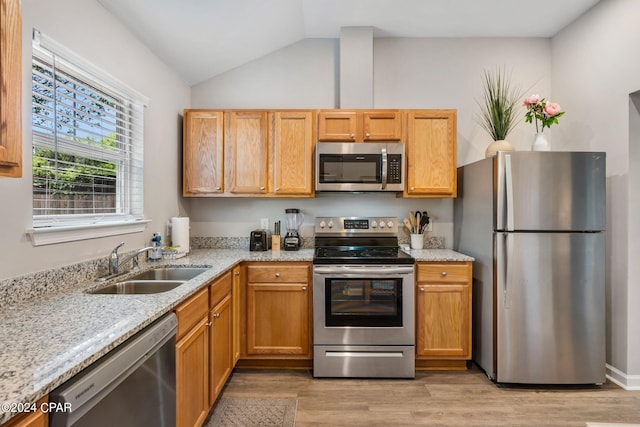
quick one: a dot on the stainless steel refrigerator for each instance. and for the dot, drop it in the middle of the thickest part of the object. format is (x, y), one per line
(534, 221)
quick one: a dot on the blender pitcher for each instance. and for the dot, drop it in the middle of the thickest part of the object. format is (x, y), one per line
(293, 221)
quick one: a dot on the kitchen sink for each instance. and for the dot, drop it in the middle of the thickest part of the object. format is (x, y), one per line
(139, 287)
(169, 273)
(152, 281)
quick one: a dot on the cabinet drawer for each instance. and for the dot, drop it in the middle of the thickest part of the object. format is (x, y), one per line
(444, 272)
(191, 311)
(220, 288)
(278, 274)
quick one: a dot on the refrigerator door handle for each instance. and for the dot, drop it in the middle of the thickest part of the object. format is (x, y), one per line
(508, 257)
(509, 191)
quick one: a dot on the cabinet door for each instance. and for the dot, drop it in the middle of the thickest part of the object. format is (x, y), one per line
(246, 147)
(202, 153)
(293, 142)
(431, 153)
(33, 419)
(443, 320)
(382, 125)
(221, 347)
(278, 319)
(337, 126)
(11, 84)
(192, 376)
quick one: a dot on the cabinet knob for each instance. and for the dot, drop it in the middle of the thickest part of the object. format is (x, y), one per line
(422, 290)
(304, 289)
(277, 189)
(216, 316)
(367, 135)
(277, 274)
(209, 323)
(237, 273)
(352, 136)
(217, 188)
(444, 273)
(261, 188)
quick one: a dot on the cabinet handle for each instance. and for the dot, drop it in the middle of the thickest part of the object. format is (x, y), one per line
(209, 323)
(277, 274)
(444, 273)
(304, 289)
(422, 290)
(216, 316)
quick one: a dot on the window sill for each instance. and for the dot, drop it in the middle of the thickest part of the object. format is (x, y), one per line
(51, 235)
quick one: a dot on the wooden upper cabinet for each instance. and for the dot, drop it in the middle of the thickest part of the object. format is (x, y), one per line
(431, 153)
(293, 142)
(10, 88)
(203, 153)
(359, 126)
(247, 154)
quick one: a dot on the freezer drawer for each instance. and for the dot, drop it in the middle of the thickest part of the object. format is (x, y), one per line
(550, 308)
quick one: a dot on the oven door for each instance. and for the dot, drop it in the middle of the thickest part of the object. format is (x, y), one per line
(363, 305)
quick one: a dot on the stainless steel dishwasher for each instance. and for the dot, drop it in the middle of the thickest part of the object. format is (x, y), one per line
(133, 385)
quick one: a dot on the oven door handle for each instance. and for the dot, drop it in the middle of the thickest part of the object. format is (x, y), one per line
(359, 270)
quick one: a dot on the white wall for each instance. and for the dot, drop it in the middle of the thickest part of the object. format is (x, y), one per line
(595, 69)
(100, 39)
(407, 73)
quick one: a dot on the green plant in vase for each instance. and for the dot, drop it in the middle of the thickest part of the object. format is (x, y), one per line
(498, 109)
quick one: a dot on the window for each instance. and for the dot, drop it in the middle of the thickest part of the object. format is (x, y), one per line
(87, 142)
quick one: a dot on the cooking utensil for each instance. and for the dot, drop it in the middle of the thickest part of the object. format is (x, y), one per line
(424, 221)
(408, 225)
(418, 219)
(412, 219)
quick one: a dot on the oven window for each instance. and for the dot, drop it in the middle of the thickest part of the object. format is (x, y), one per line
(350, 168)
(363, 302)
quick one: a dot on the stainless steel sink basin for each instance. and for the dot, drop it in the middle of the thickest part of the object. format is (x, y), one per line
(152, 281)
(139, 287)
(169, 273)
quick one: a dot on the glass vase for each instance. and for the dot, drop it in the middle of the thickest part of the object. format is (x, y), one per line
(541, 143)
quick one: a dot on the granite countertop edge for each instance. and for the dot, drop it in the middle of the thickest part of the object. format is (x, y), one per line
(49, 340)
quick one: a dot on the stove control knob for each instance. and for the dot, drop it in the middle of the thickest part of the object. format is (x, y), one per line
(323, 224)
(381, 224)
(330, 224)
(374, 224)
(390, 224)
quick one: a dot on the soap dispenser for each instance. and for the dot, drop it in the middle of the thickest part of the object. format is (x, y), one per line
(156, 252)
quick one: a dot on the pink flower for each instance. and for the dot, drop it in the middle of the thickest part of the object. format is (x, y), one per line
(552, 109)
(533, 99)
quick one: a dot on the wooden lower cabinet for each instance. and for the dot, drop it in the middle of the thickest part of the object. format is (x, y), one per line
(443, 314)
(220, 335)
(33, 419)
(192, 361)
(278, 311)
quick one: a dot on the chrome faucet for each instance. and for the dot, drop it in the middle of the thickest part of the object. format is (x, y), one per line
(115, 262)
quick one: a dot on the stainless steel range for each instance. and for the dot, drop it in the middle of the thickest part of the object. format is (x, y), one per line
(363, 300)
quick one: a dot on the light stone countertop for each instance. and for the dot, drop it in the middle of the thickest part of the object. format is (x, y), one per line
(46, 341)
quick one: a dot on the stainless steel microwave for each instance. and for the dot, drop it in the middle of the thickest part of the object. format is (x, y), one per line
(365, 166)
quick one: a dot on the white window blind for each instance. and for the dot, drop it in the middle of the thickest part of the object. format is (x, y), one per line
(87, 142)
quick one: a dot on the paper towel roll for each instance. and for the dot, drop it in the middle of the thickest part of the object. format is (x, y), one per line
(180, 233)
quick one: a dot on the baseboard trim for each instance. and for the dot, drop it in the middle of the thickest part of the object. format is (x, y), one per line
(627, 382)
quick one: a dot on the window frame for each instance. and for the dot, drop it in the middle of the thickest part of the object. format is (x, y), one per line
(48, 229)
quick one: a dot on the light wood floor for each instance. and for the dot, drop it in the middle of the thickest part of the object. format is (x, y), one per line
(435, 398)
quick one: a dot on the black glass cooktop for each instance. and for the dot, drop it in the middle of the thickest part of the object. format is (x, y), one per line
(361, 255)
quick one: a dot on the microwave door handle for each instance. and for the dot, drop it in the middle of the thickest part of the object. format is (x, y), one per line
(384, 167)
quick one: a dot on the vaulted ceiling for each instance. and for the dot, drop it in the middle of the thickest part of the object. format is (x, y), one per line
(203, 38)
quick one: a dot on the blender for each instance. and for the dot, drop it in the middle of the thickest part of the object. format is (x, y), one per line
(293, 221)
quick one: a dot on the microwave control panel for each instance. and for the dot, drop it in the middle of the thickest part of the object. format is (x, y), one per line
(394, 172)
